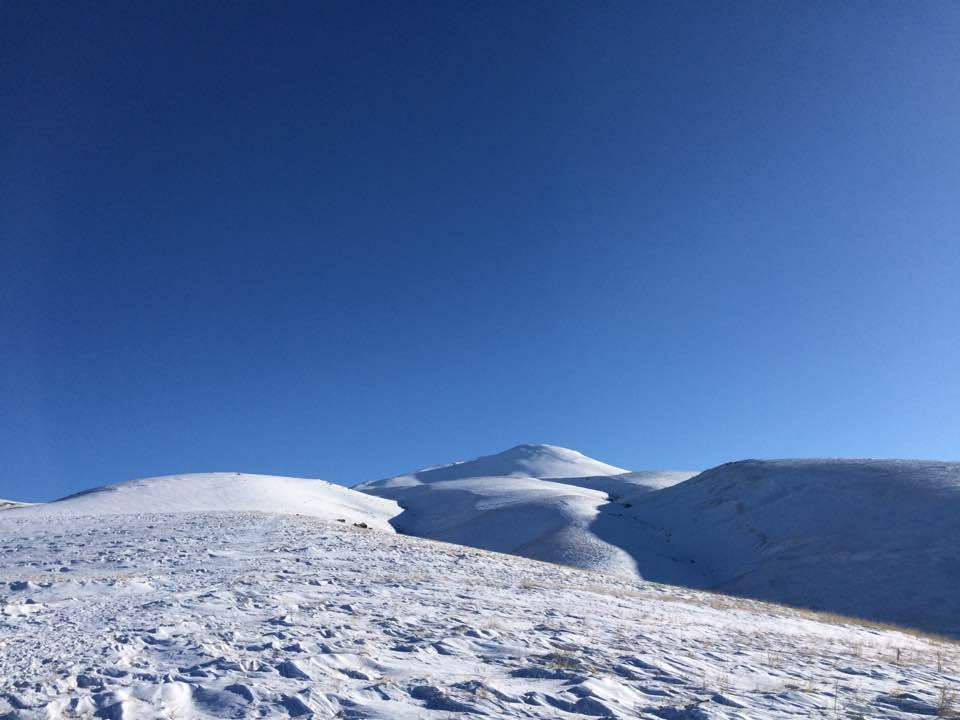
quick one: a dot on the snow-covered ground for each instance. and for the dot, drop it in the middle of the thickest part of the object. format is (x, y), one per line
(273, 615)
(878, 539)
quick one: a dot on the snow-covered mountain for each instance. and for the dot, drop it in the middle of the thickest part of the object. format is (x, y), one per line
(537, 501)
(225, 492)
(873, 538)
(878, 539)
(229, 595)
(10, 504)
(539, 461)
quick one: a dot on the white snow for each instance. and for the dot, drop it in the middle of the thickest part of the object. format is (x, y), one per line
(225, 492)
(522, 516)
(202, 615)
(878, 539)
(11, 504)
(629, 484)
(541, 503)
(234, 595)
(540, 461)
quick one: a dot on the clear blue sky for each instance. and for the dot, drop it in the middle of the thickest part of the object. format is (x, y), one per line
(347, 240)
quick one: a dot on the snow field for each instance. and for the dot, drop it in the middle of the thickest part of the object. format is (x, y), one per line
(265, 615)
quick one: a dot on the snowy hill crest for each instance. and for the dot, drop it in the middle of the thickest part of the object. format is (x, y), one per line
(225, 492)
(527, 460)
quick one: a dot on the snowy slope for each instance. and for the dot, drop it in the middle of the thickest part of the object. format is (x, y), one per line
(540, 461)
(873, 538)
(516, 510)
(225, 492)
(522, 516)
(240, 615)
(629, 484)
(878, 539)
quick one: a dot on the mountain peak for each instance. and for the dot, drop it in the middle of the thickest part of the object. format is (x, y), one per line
(526, 460)
(541, 449)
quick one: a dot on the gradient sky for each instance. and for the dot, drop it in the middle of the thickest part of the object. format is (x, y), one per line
(346, 240)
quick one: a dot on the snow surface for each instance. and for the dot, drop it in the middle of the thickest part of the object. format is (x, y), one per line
(878, 539)
(629, 485)
(265, 615)
(523, 516)
(540, 461)
(225, 492)
(10, 504)
(537, 501)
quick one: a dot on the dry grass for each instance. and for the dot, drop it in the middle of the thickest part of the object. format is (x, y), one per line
(947, 703)
(838, 619)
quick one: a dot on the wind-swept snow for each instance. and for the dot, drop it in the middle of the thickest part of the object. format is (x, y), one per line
(225, 492)
(205, 615)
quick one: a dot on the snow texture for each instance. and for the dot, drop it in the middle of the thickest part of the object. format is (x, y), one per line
(540, 461)
(225, 492)
(512, 507)
(235, 615)
(878, 539)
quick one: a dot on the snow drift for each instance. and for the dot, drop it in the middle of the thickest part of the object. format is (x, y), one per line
(202, 492)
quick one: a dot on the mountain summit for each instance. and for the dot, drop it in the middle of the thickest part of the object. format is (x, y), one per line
(538, 501)
(529, 460)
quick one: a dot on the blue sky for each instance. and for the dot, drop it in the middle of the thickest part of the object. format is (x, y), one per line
(345, 241)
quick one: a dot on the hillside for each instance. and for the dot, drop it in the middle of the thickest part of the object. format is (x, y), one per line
(224, 492)
(878, 539)
(238, 615)
(873, 538)
(628, 485)
(517, 510)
